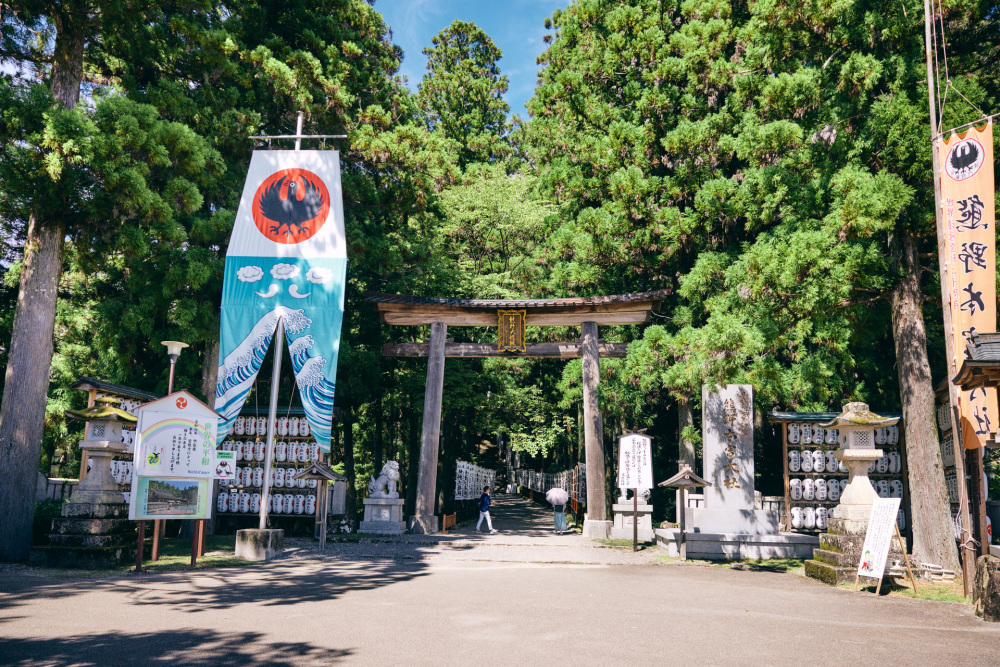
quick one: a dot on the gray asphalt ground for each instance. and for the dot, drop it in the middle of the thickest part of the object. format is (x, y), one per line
(523, 596)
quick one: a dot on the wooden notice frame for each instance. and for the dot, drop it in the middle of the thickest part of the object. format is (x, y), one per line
(510, 330)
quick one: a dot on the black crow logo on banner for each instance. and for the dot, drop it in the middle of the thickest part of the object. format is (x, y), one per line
(291, 205)
(964, 160)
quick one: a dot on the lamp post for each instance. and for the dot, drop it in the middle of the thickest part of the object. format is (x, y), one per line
(174, 348)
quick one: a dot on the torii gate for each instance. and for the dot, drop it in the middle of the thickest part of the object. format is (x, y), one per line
(585, 312)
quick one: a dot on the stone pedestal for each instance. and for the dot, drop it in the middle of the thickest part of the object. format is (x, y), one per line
(839, 554)
(857, 499)
(94, 532)
(384, 516)
(255, 544)
(622, 528)
(597, 530)
(424, 525)
(732, 521)
(836, 560)
(88, 536)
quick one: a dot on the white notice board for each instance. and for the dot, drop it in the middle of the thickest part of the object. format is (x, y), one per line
(878, 537)
(635, 461)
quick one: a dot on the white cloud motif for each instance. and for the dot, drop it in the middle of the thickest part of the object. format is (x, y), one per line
(319, 275)
(285, 271)
(250, 274)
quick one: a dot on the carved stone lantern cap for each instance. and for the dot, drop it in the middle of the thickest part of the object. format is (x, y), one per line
(105, 408)
(858, 416)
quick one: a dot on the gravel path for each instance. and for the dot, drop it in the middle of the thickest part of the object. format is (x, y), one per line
(525, 536)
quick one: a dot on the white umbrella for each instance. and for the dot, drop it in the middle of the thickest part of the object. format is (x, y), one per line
(557, 496)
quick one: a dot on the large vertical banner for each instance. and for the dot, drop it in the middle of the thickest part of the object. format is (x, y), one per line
(287, 260)
(967, 200)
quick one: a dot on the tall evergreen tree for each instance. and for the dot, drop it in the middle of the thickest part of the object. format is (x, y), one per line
(770, 161)
(462, 92)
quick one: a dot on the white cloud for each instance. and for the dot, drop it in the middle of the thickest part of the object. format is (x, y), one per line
(285, 271)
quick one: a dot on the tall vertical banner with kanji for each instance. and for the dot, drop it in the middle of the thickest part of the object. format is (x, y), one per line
(287, 260)
(967, 201)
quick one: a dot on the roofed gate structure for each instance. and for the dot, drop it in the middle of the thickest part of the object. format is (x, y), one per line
(511, 316)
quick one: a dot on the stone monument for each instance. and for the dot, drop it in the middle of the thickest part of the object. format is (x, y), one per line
(94, 531)
(729, 526)
(383, 506)
(727, 428)
(836, 560)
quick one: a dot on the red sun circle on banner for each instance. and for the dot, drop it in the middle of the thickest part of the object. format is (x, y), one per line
(291, 205)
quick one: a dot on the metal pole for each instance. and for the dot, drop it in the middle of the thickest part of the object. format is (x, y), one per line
(942, 237)
(680, 522)
(272, 412)
(298, 132)
(635, 519)
(139, 547)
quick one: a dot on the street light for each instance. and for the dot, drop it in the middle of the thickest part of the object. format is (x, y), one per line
(174, 348)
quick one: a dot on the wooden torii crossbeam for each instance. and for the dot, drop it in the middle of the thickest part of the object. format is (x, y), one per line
(585, 312)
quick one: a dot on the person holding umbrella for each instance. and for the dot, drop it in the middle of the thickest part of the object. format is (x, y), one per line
(558, 497)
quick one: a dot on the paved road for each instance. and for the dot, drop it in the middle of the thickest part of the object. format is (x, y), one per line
(450, 602)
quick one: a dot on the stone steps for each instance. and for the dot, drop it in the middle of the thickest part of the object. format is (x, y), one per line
(80, 557)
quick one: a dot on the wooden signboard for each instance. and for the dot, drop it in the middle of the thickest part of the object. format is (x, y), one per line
(510, 324)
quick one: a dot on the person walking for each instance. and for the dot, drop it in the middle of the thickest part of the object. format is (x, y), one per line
(484, 511)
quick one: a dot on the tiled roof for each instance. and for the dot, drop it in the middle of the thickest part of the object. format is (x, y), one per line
(638, 297)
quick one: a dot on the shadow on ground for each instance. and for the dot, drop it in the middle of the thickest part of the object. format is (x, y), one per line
(175, 647)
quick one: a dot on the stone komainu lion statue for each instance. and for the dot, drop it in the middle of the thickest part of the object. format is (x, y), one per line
(386, 485)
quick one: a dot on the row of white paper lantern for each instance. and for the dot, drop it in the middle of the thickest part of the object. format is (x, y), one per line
(817, 517)
(303, 452)
(808, 435)
(278, 503)
(280, 477)
(293, 426)
(121, 471)
(814, 461)
(820, 461)
(822, 489)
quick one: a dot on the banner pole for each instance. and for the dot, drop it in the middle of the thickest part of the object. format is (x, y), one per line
(942, 239)
(272, 412)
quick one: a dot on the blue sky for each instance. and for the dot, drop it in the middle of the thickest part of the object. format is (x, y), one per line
(516, 26)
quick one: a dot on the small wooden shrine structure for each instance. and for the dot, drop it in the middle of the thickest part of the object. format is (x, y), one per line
(511, 316)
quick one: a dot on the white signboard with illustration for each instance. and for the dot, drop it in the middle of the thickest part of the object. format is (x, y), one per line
(175, 459)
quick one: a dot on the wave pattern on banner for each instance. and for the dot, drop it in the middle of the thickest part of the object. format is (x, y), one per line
(240, 367)
(315, 388)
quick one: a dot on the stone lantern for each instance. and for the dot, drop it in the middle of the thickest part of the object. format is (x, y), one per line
(856, 427)
(94, 531)
(102, 440)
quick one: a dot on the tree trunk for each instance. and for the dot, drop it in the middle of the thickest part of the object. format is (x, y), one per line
(933, 540)
(210, 371)
(351, 504)
(412, 462)
(377, 445)
(685, 447)
(22, 410)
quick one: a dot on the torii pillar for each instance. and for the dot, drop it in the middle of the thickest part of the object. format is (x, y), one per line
(596, 525)
(424, 520)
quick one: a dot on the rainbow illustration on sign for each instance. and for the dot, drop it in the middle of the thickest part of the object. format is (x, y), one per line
(176, 424)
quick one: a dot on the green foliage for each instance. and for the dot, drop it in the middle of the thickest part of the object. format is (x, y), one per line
(462, 93)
